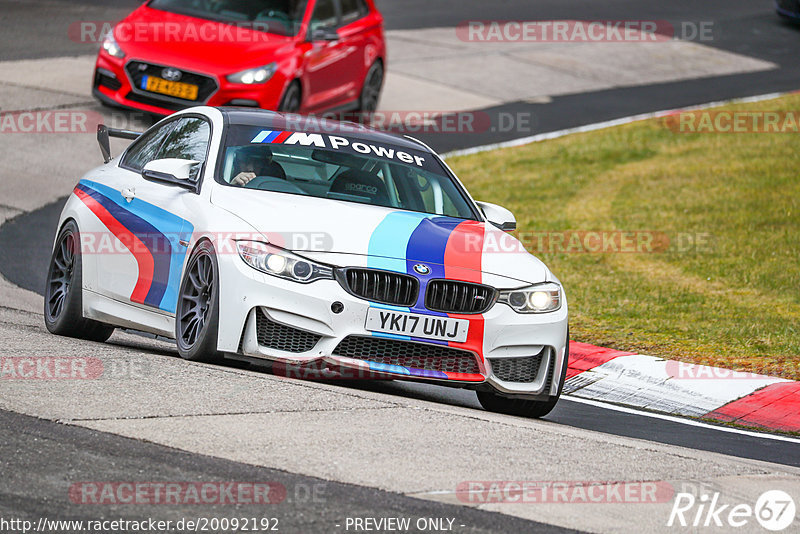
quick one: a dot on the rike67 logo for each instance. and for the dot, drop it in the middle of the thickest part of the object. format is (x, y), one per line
(774, 510)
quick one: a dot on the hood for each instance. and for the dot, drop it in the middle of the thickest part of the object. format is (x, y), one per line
(349, 234)
(197, 44)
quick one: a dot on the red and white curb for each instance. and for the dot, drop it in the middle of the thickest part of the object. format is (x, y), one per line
(677, 388)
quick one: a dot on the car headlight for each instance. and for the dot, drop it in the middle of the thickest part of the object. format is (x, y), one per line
(282, 263)
(111, 46)
(253, 76)
(542, 298)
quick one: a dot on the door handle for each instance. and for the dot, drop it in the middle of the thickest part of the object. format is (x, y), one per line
(129, 193)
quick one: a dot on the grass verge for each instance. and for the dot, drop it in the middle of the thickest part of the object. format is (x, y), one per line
(714, 219)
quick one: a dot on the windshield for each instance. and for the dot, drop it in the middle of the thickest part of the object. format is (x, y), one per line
(282, 17)
(342, 169)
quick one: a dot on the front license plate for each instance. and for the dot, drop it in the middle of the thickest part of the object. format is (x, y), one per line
(416, 325)
(154, 84)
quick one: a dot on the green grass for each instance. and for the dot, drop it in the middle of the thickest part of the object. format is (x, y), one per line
(734, 303)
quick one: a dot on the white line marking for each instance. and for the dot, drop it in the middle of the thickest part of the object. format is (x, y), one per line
(681, 420)
(607, 124)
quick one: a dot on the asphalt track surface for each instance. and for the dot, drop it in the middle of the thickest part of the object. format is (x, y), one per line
(35, 479)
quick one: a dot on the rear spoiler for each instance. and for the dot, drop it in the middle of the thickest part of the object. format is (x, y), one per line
(103, 135)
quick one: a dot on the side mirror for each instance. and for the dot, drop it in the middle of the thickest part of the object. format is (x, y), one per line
(180, 172)
(324, 34)
(498, 216)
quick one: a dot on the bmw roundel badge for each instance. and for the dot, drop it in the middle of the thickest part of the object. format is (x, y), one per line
(422, 269)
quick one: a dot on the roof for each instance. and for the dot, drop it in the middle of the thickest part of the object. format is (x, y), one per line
(310, 124)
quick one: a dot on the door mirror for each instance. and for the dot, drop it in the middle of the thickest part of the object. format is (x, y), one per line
(498, 216)
(324, 33)
(181, 172)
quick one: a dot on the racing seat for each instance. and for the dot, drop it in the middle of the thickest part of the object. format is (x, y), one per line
(353, 182)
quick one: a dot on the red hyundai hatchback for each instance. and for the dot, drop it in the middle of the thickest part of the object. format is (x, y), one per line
(304, 56)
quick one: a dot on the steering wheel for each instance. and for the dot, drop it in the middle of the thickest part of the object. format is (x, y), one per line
(273, 183)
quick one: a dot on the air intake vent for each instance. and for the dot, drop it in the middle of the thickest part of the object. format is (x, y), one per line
(520, 370)
(281, 337)
(449, 296)
(424, 356)
(380, 286)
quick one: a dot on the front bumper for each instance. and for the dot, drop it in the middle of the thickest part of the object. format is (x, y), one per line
(517, 355)
(113, 85)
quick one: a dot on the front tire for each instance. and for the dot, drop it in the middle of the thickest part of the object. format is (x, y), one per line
(292, 98)
(524, 408)
(63, 293)
(197, 313)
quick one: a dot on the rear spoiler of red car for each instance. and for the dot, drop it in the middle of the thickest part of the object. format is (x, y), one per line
(103, 135)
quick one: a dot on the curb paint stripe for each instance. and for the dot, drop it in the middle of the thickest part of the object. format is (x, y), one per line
(143, 259)
(646, 382)
(584, 357)
(776, 406)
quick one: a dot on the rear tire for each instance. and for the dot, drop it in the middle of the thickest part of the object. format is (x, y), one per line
(524, 408)
(63, 293)
(197, 313)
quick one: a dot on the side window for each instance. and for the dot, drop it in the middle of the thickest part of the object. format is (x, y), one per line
(188, 140)
(352, 10)
(146, 147)
(324, 15)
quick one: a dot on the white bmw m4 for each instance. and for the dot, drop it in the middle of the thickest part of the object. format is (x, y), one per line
(255, 235)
